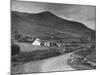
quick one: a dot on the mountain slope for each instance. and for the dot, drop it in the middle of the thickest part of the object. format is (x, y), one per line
(47, 24)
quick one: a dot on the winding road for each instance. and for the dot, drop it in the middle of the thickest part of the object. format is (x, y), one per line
(58, 63)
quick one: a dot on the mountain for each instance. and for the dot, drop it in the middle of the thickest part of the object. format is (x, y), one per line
(48, 24)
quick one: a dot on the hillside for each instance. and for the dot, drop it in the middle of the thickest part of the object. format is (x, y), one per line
(48, 24)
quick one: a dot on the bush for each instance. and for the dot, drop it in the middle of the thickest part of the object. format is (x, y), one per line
(24, 39)
(15, 49)
(17, 35)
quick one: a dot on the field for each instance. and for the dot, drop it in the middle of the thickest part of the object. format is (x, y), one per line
(84, 59)
(38, 57)
(28, 47)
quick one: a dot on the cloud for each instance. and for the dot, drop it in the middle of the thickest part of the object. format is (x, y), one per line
(84, 14)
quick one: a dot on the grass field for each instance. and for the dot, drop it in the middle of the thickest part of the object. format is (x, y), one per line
(80, 63)
(28, 47)
(29, 54)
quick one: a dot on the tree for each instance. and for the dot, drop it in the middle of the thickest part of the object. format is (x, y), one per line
(15, 49)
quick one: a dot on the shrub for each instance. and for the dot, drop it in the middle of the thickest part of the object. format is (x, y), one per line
(15, 49)
(17, 35)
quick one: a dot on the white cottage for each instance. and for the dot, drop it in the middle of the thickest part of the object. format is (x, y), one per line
(36, 42)
(39, 42)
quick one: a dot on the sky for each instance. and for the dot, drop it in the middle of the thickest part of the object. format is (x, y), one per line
(85, 14)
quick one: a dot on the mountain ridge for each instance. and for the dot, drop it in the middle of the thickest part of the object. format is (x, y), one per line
(40, 22)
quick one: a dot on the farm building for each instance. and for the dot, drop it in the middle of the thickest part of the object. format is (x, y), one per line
(36, 42)
(46, 42)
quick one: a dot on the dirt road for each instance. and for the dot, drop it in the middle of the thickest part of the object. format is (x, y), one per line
(58, 63)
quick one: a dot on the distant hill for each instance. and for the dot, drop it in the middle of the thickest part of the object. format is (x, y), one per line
(48, 24)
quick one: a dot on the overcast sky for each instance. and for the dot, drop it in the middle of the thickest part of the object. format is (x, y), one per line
(80, 13)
